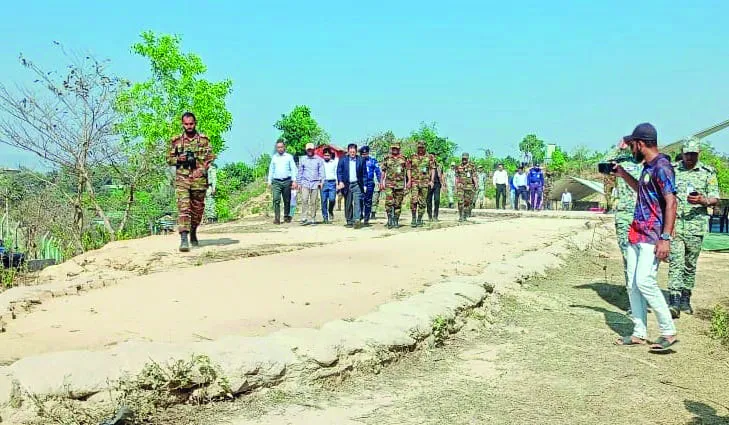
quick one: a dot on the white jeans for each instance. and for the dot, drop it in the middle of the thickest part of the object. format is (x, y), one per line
(643, 291)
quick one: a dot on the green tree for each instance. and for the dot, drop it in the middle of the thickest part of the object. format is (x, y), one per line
(441, 146)
(720, 162)
(153, 108)
(299, 128)
(534, 145)
(379, 144)
(559, 161)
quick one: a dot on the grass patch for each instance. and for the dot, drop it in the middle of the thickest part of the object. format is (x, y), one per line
(442, 327)
(720, 323)
(135, 400)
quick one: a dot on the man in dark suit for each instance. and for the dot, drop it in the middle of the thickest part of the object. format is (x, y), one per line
(351, 173)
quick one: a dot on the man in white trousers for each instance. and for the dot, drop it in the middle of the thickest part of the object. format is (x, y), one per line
(650, 237)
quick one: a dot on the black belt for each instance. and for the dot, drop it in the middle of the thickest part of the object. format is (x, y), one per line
(283, 180)
(332, 180)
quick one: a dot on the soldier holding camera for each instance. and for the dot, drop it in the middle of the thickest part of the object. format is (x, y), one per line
(191, 154)
(697, 188)
(624, 199)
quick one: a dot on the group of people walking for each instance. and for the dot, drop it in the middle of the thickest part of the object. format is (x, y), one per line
(360, 179)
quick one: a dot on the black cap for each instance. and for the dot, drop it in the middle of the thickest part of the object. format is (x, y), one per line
(364, 149)
(644, 131)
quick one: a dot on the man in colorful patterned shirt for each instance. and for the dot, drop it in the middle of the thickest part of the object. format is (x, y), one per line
(650, 236)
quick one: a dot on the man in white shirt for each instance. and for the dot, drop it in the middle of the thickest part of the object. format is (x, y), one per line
(520, 183)
(329, 188)
(282, 175)
(566, 199)
(501, 180)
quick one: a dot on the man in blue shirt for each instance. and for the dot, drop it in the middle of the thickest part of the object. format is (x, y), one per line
(373, 170)
(535, 179)
(282, 173)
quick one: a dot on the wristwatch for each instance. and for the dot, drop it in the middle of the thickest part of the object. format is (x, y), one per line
(666, 237)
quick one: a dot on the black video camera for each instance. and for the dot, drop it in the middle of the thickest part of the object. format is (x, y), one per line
(189, 161)
(606, 167)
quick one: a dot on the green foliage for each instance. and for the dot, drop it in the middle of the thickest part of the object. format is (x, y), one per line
(559, 161)
(152, 109)
(379, 144)
(720, 163)
(510, 164)
(442, 327)
(441, 146)
(720, 323)
(532, 144)
(299, 128)
(236, 185)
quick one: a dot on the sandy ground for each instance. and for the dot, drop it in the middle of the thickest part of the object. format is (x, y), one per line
(546, 358)
(342, 273)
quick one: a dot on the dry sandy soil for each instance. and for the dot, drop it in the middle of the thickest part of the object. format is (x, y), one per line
(252, 278)
(546, 357)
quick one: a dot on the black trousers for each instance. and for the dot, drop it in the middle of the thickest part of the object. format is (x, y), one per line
(281, 189)
(522, 193)
(501, 196)
(433, 201)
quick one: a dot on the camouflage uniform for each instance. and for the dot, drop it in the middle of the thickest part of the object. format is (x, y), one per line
(465, 189)
(420, 168)
(190, 183)
(394, 168)
(624, 204)
(691, 222)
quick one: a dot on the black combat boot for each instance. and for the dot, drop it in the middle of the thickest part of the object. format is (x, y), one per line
(674, 304)
(373, 216)
(460, 215)
(686, 301)
(396, 221)
(420, 220)
(389, 221)
(193, 236)
(184, 244)
(414, 223)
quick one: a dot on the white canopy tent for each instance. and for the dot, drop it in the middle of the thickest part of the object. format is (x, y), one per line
(579, 188)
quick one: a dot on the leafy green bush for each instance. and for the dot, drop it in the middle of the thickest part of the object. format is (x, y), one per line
(720, 323)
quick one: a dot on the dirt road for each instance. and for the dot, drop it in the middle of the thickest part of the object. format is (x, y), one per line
(547, 358)
(341, 273)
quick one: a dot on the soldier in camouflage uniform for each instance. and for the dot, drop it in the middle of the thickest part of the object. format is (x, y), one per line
(191, 153)
(393, 183)
(624, 202)
(420, 169)
(696, 189)
(466, 184)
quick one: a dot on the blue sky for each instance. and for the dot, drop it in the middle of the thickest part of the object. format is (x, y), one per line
(487, 72)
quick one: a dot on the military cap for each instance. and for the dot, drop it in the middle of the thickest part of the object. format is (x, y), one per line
(465, 155)
(691, 145)
(364, 149)
(421, 144)
(395, 144)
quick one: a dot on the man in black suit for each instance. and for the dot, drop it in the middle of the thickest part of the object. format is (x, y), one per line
(351, 173)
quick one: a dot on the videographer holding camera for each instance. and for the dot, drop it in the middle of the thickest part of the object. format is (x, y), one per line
(650, 236)
(191, 154)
